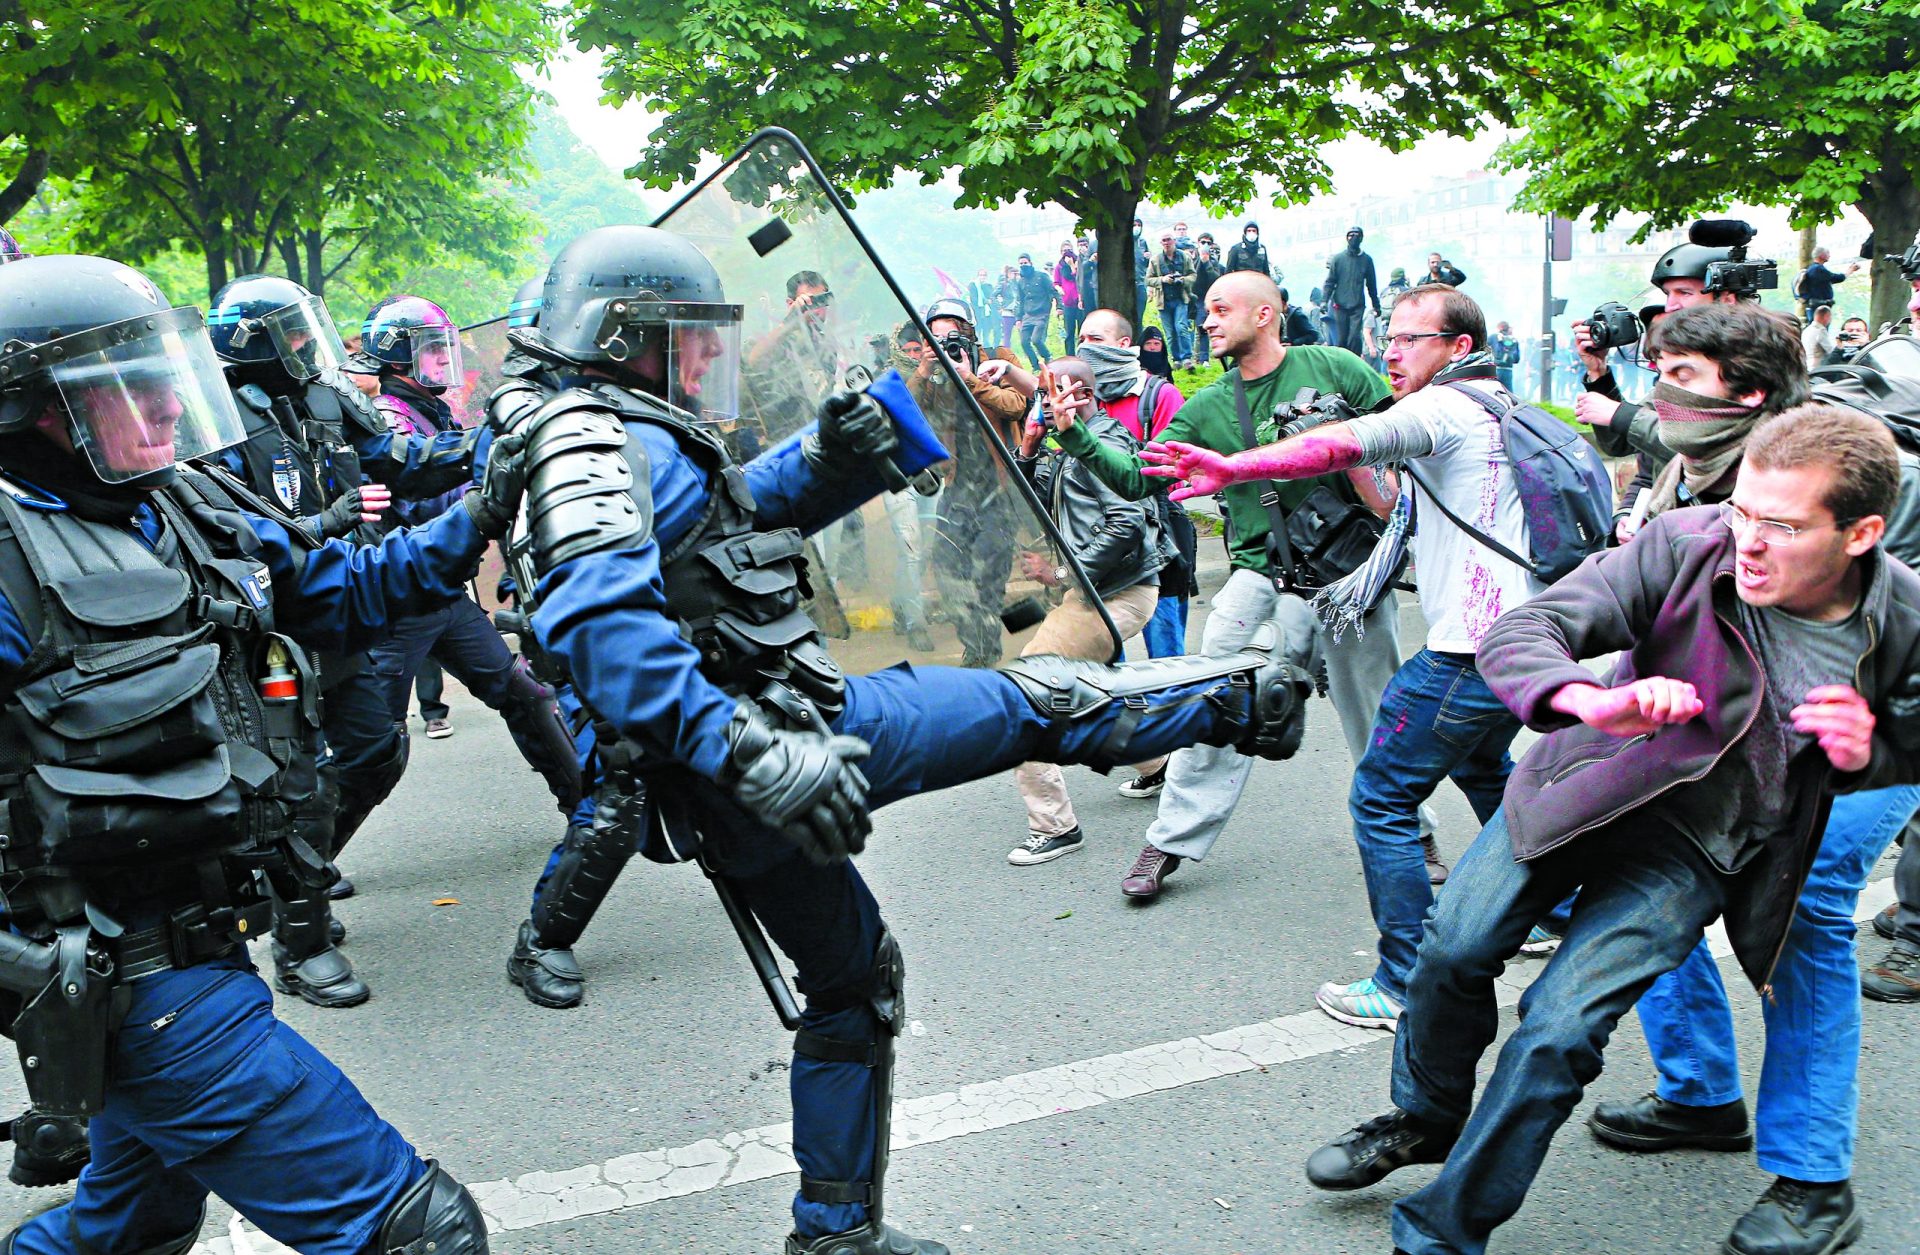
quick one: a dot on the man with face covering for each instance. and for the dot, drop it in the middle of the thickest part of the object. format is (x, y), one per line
(1248, 254)
(1350, 288)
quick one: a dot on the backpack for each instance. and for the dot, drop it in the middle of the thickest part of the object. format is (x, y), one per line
(1882, 380)
(1565, 492)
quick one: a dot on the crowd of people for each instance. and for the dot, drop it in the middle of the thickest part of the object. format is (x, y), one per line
(233, 541)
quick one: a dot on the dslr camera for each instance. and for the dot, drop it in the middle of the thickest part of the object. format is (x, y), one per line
(1614, 326)
(1310, 409)
(957, 345)
(1739, 274)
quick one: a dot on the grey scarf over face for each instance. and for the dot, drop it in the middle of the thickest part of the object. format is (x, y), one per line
(1116, 371)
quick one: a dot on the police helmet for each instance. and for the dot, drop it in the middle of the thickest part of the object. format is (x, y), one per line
(136, 380)
(647, 303)
(1687, 261)
(524, 311)
(265, 318)
(411, 336)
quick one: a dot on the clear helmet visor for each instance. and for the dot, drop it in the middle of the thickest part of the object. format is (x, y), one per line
(303, 335)
(145, 394)
(703, 369)
(436, 357)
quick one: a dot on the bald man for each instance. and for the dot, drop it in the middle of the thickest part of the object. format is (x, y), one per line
(1203, 786)
(1121, 546)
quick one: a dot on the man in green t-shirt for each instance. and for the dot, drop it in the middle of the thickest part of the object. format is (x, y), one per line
(1203, 784)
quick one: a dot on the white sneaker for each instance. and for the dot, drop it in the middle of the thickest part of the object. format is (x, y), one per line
(1540, 942)
(1147, 785)
(1362, 1004)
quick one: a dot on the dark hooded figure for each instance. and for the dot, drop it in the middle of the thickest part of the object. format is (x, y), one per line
(1350, 288)
(1153, 354)
(1249, 253)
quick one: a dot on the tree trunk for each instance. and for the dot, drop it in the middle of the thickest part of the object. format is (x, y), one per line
(1807, 246)
(25, 182)
(289, 256)
(314, 241)
(1893, 210)
(1113, 232)
(216, 271)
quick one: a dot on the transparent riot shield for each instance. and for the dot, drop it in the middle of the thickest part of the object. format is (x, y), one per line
(958, 567)
(483, 348)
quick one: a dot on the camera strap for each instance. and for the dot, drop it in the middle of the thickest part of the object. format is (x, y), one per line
(1283, 570)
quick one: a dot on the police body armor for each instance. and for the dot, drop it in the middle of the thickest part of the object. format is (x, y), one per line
(159, 747)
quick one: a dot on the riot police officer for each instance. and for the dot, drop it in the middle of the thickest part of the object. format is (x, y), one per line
(669, 585)
(161, 725)
(282, 357)
(417, 349)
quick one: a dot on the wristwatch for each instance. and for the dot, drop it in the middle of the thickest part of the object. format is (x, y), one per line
(1061, 574)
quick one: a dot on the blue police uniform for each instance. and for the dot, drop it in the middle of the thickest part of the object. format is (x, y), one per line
(606, 616)
(207, 1091)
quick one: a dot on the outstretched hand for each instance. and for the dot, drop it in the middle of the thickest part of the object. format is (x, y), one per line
(1204, 471)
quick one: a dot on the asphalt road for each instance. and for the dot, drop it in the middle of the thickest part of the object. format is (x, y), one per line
(1011, 971)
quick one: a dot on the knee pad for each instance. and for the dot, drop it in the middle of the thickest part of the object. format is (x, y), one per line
(434, 1216)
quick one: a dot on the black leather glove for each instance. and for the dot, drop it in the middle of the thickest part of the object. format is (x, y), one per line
(340, 518)
(852, 431)
(495, 502)
(803, 784)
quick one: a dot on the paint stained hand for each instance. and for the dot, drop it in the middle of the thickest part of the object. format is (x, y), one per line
(1631, 709)
(1204, 471)
(1840, 720)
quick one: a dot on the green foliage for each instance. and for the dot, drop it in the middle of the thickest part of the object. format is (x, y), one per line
(1812, 104)
(293, 136)
(1093, 104)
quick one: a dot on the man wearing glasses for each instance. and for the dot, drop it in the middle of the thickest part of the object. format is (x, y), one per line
(1771, 654)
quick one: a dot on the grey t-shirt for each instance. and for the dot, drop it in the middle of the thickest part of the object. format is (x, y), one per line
(1740, 805)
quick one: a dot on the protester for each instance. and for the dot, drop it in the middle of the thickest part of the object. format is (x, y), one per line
(1066, 284)
(1440, 270)
(1119, 544)
(1088, 273)
(1350, 287)
(1746, 629)
(1249, 253)
(1202, 788)
(982, 294)
(1153, 354)
(1036, 299)
(1170, 275)
(1295, 326)
(1506, 354)
(1007, 304)
(1437, 719)
(1207, 267)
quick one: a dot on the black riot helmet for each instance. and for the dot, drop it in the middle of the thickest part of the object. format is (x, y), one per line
(265, 318)
(528, 299)
(92, 344)
(1687, 261)
(645, 304)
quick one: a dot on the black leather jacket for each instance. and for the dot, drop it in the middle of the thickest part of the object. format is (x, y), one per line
(1119, 543)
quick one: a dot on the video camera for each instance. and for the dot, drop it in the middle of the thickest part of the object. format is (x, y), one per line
(1909, 261)
(1738, 274)
(1310, 409)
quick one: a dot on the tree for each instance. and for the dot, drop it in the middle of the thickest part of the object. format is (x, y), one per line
(263, 133)
(1093, 104)
(1813, 107)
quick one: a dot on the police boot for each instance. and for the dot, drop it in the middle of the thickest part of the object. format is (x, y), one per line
(1260, 701)
(549, 977)
(435, 1216)
(304, 960)
(175, 1246)
(47, 1150)
(871, 1238)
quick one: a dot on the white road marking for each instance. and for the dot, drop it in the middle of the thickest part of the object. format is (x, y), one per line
(634, 1181)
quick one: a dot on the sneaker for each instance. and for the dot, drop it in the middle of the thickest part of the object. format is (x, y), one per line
(1436, 866)
(1148, 785)
(438, 729)
(1383, 1144)
(1147, 877)
(1541, 941)
(1895, 978)
(1040, 847)
(1883, 922)
(1362, 1004)
(1798, 1218)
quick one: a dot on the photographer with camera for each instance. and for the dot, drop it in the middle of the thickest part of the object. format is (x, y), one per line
(1847, 345)
(1711, 267)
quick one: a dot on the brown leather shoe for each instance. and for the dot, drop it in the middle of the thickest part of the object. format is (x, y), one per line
(1149, 873)
(1436, 866)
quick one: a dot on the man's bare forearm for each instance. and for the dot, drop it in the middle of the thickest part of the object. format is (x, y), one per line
(1318, 452)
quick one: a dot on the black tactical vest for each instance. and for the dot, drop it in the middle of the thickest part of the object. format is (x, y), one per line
(158, 720)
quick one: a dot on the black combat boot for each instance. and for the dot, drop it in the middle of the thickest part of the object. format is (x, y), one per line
(47, 1150)
(1798, 1218)
(304, 961)
(871, 1238)
(1653, 1123)
(549, 977)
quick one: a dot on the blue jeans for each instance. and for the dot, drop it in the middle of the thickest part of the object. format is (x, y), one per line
(1166, 632)
(1437, 720)
(212, 1094)
(1646, 895)
(1810, 1080)
(1179, 331)
(1033, 340)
